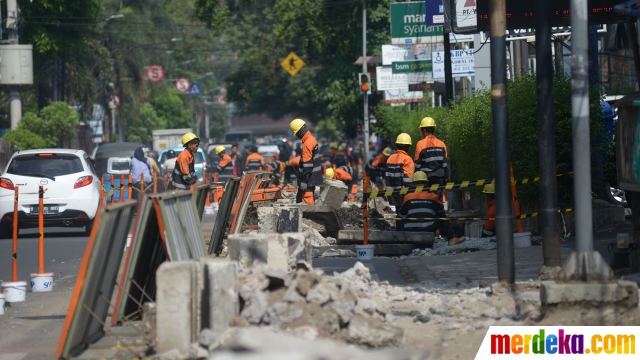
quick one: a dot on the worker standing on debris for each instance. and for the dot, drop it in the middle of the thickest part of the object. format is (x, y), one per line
(309, 163)
(426, 210)
(489, 227)
(255, 161)
(399, 169)
(375, 168)
(431, 155)
(224, 168)
(184, 172)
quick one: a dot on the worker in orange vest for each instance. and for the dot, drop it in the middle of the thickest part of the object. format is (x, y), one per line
(489, 227)
(399, 170)
(277, 172)
(375, 168)
(309, 163)
(340, 157)
(431, 155)
(255, 161)
(349, 176)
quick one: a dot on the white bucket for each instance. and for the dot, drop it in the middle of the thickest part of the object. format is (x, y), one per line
(522, 239)
(1, 304)
(365, 252)
(208, 210)
(14, 291)
(41, 282)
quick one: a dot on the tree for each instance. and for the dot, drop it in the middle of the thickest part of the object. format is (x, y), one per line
(171, 110)
(25, 139)
(147, 120)
(56, 124)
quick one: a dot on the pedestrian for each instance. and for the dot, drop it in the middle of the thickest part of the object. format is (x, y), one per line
(399, 170)
(431, 155)
(255, 161)
(184, 172)
(489, 227)
(140, 170)
(149, 154)
(423, 211)
(375, 168)
(308, 163)
(170, 163)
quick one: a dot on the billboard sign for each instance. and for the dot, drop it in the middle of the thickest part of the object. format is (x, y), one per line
(462, 63)
(435, 12)
(408, 24)
(387, 80)
(402, 96)
(465, 17)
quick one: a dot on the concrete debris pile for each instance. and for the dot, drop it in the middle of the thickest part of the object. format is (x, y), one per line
(269, 343)
(306, 300)
(313, 232)
(351, 217)
(442, 247)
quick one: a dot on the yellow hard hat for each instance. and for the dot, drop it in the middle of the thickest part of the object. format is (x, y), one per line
(333, 145)
(489, 189)
(342, 147)
(186, 138)
(386, 151)
(419, 176)
(427, 122)
(296, 125)
(404, 139)
(219, 149)
(329, 173)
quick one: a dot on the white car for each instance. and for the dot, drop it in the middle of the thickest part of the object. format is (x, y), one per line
(72, 189)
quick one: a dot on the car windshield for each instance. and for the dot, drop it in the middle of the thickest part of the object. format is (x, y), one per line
(45, 165)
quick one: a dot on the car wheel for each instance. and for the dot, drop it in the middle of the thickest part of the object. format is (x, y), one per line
(6, 231)
(615, 196)
(88, 227)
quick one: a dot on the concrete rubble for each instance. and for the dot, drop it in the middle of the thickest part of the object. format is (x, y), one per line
(332, 193)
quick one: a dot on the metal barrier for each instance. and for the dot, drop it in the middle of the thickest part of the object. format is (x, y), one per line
(90, 301)
(200, 198)
(250, 181)
(181, 222)
(222, 218)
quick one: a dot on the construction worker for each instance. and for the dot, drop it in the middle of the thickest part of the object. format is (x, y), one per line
(277, 172)
(340, 157)
(422, 206)
(255, 161)
(224, 168)
(348, 176)
(399, 170)
(375, 168)
(431, 155)
(308, 163)
(184, 172)
(489, 227)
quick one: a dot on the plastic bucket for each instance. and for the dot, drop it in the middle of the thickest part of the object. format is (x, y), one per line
(1, 304)
(14, 291)
(41, 282)
(522, 239)
(365, 252)
(208, 210)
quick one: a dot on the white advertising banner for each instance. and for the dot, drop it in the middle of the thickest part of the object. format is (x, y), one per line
(402, 96)
(462, 63)
(409, 52)
(386, 80)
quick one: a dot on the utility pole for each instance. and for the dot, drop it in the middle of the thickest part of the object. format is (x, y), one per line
(14, 90)
(448, 71)
(547, 143)
(365, 96)
(504, 217)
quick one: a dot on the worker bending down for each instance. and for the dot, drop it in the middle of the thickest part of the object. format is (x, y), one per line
(423, 211)
(309, 163)
(346, 174)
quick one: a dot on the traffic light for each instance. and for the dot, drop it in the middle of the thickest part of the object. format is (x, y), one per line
(365, 83)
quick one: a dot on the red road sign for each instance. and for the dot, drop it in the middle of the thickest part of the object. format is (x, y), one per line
(155, 73)
(116, 100)
(183, 85)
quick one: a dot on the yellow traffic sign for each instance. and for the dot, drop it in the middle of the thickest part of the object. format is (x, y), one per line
(292, 63)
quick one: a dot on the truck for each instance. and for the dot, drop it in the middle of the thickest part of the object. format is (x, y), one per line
(168, 138)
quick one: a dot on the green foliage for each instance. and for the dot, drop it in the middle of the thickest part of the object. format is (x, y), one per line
(56, 124)
(24, 139)
(468, 133)
(327, 130)
(147, 120)
(171, 110)
(218, 124)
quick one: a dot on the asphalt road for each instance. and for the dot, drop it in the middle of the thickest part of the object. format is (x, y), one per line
(31, 329)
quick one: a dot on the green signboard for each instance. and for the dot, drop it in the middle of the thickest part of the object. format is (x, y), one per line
(408, 25)
(418, 66)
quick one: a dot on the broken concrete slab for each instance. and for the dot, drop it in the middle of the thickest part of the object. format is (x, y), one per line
(325, 215)
(220, 301)
(419, 239)
(177, 302)
(619, 293)
(289, 219)
(332, 193)
(280, 251)
(267, 220)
